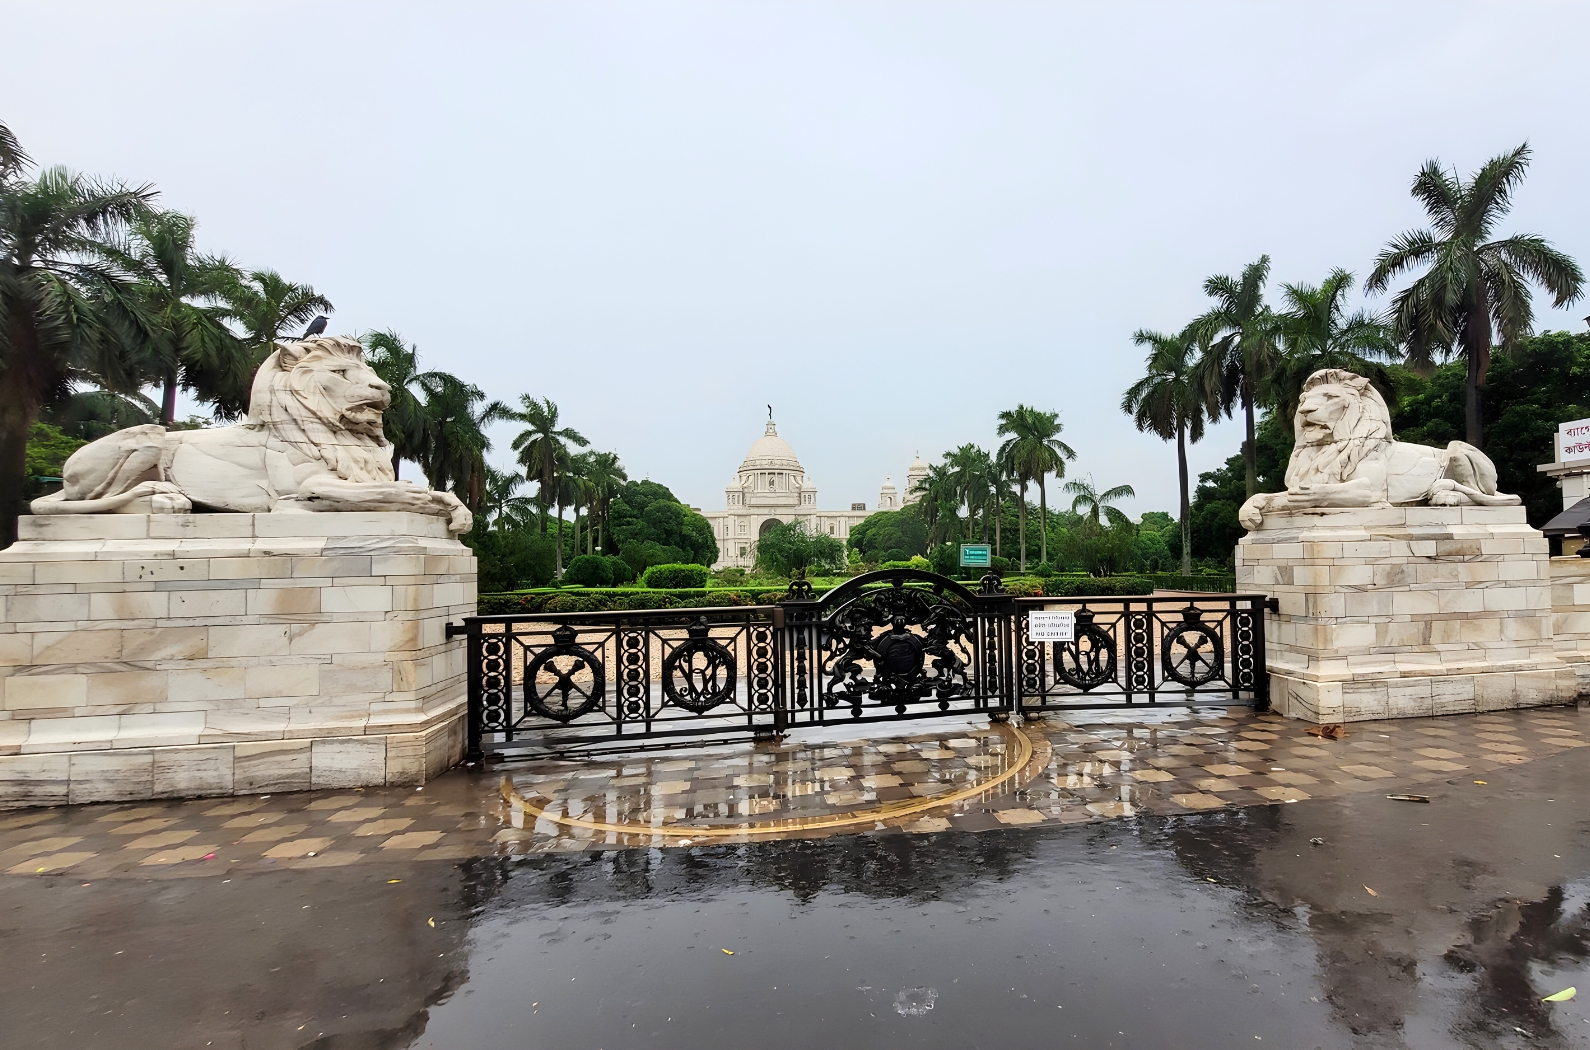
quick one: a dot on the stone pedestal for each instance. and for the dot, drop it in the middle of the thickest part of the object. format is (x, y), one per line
(1570, 615)
(149, 656)
(1405, 611)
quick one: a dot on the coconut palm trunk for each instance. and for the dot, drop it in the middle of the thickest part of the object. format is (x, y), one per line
(1186, 513)
(560, 539)
(1043, 521)
(1021, 524)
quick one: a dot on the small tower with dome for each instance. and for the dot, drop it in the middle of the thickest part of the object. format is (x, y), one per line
(915, 473)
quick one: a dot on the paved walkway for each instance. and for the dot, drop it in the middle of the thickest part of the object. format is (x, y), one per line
(921, 777)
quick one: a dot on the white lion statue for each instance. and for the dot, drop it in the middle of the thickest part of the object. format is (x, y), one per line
(1345, 457)
(312, 442)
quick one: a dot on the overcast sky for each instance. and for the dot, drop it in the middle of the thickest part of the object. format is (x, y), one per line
(889, 220)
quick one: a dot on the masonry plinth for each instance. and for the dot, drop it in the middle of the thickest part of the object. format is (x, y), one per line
(1399, 612)
(1570, 615)
(162, 655)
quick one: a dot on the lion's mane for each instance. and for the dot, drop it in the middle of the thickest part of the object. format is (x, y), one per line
(1363, 433)
(288, 405)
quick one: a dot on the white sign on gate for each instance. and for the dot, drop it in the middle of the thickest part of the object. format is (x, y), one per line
(1051, 626)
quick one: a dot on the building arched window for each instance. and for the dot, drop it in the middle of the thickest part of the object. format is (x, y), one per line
(742, 528)
(830, 529)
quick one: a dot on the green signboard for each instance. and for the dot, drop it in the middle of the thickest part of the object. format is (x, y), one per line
(975, 556)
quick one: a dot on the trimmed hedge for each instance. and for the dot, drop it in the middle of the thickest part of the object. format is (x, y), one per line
(613, 599)
(676, 575)
(589, 570)
(1096, 586)
(1170, 581)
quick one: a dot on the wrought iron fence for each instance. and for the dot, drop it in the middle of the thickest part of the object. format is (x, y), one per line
(1169, 650)
(886, 645)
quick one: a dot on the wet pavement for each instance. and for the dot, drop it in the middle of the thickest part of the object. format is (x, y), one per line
(1345, 919)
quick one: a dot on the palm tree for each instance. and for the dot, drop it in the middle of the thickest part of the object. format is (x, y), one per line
(542, 444)
(1240, 335)
(941, 501)
(1000, 491)
(1317, 332)
(1033, 450)
(181, 323)
(1167, 402)
(268, 307)
(1089, 502)
(606, 477)
(969, 469)
(61, 305)
(1474, 286)
(501, 501)
(404, 421)
(455, 443)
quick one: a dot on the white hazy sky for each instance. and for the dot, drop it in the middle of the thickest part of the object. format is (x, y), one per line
(890, 220)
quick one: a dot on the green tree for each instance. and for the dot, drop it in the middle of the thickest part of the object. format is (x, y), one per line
(891, 535)
(456, 415)
(93, 413)
(1032, 451)
(1316, 332)
(404, 421)
(542, 445)
(1089, 502)
(501, 505)
(1475, 290)
(1239, 334)
(791, 549)
(181, 329)
(1538, 383)
(605, 478)
(64, 310)
(268, 307)
(1168, 403)
(49, 449)
(651, 527)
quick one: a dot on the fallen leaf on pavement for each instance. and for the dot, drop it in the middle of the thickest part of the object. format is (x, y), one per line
(1372, 893)
(725, 951)
(1562, 996)
(431, 923)
(1334, 731)
(1481, 782)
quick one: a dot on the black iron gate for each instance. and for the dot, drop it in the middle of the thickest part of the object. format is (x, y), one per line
(886, 645)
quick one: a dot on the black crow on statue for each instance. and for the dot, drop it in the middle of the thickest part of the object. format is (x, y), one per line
(316, 326)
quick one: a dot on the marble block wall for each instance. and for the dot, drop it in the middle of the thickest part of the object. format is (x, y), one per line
(1405, 611)
(1570, 615)
(163, 655)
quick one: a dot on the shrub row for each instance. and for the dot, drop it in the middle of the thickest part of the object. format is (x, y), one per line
(616, 600)
(1212, 582)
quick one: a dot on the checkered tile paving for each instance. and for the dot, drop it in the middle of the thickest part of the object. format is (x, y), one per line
(1088, 768)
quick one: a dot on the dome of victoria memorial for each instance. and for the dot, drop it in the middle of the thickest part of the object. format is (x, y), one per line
(772, 487)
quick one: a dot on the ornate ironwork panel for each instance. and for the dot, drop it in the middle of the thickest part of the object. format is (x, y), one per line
(1088, 660)
(1207, 649)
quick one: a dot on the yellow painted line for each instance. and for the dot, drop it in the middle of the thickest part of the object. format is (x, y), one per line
(893, 810)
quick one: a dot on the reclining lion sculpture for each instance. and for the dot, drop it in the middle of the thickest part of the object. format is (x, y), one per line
(1345, 457)
(312, 441)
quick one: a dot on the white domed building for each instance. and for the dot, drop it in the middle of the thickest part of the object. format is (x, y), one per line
(772, 487)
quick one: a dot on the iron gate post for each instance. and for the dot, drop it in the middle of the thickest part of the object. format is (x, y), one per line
(996, 628)
(798, 685)
(474, 707)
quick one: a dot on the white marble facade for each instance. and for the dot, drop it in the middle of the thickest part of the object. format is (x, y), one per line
(771, 487)
(165, 655)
